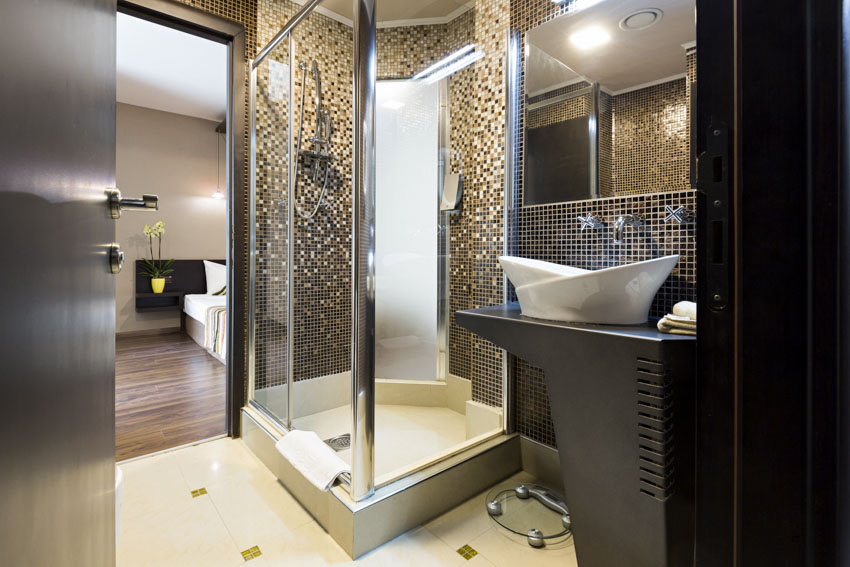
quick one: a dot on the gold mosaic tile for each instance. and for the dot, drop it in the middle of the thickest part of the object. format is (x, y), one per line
(251, 553)
(467, 552)
(199, 492)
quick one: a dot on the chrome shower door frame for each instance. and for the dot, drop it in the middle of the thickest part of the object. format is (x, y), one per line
(362, 479)
(363, 253)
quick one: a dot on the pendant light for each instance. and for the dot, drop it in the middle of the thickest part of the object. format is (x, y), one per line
(218, 194)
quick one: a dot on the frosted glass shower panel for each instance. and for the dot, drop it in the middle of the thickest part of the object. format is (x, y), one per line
(406, 230)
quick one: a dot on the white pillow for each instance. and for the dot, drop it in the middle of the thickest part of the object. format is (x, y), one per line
(216, 276)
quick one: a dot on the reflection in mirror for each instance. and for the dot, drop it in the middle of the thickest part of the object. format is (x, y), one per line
(608, 101)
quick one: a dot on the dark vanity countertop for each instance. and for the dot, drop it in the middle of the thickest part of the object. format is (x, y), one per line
(511, 313)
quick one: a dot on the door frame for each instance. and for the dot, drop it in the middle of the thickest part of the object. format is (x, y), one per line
(216, 28)
(774, 351)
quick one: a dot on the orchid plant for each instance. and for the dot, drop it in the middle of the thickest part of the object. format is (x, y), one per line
(155, 268)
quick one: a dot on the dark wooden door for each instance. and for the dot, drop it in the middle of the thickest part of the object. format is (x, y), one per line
(57, 316)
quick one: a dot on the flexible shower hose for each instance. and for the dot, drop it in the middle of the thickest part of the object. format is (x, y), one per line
(301, 213)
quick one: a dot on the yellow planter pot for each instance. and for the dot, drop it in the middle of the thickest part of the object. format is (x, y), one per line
(158, 284)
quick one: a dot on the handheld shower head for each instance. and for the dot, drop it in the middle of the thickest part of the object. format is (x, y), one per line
(317, 76)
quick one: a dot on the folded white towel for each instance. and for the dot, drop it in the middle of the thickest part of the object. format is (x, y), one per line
(686, 309)
(312, 457)
(677, 325)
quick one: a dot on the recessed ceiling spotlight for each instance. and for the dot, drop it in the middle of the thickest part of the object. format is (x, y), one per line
(589, 38)
(641, 19)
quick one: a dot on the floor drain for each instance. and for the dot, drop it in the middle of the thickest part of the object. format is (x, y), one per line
(340, 442)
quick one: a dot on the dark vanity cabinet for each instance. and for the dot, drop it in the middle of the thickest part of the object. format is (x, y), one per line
(622, 402)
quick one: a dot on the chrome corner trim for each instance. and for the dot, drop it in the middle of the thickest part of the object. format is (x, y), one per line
(305, 11)
(290, 247)
(512, 94)
(444, 233)
(252, 244)
(593, 125)
(363, 253)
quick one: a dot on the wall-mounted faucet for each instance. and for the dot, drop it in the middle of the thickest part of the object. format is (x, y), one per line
(620, 224)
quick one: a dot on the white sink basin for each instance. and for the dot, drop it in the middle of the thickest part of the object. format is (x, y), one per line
(612, 296)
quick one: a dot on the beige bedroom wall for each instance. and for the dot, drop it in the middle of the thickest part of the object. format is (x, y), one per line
(172, 156)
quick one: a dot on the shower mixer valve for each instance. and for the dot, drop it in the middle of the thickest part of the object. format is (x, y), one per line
(316, 163)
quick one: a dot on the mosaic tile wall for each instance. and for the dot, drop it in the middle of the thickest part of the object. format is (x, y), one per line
(551, 232)
(272, 171)
(322, 265)
(487, 196)
(404, 51)
(242, 11)
(654, 121)
(462, 122)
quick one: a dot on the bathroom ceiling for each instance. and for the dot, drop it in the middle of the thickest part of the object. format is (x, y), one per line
(627, 59)
(398, 12)
(165, 69)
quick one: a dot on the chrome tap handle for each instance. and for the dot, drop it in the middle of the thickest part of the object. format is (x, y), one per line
(679, 214)
(590, 221)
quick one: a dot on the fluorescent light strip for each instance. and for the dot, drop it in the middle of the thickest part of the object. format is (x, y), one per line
(577, 5)
(444, 61)
(454, 67)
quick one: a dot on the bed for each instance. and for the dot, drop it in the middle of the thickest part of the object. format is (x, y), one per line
(206, 322)
(203, 315)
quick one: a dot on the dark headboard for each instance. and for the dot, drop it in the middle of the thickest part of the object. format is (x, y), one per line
(189, 277)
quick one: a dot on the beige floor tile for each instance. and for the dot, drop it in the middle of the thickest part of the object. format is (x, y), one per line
(152, 484)
(225, 460)
(480, 561)
(416, 548)
(505, 550)
(461, 525)
(258, 512)
(308, 546)
(184, 535)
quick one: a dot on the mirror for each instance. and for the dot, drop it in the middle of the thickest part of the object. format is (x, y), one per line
(608, 101)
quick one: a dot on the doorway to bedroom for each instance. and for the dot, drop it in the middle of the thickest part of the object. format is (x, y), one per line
(170, 355)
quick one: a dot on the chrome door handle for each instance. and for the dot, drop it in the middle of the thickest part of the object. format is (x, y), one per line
(117, 204)
(116, 258)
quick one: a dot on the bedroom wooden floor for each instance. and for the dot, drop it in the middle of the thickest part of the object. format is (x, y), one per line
(168, 392)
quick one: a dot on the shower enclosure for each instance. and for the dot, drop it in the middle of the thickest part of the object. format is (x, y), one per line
(358, 245)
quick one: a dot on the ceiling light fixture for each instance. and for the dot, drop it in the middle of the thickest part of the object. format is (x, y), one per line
(641, 19)
(444, 61)
(588, 38)
(577, 5)
(454, 67)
